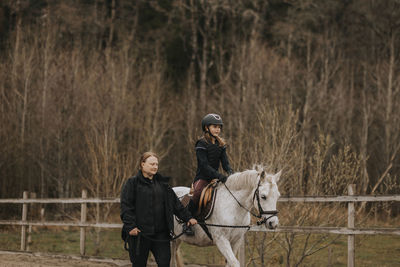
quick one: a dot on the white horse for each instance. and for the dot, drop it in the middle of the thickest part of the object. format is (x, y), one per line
(234, 200)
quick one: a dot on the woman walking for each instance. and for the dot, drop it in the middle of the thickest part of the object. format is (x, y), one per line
(147, 207)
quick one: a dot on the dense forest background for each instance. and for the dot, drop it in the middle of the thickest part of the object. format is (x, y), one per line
(311, 87)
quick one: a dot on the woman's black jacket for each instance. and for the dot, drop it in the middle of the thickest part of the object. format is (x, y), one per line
(137, 208)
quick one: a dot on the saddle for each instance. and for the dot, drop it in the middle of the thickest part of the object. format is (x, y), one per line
(206, 202)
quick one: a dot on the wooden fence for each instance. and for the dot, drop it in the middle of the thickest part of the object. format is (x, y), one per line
(350, 230)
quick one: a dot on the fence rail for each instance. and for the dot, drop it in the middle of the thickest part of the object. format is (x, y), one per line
(375, 198)
(350, 230)
(254, 228)
(59, 200)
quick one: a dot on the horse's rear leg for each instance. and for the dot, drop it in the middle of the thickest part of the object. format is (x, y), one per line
(225, 248)
(176, 259)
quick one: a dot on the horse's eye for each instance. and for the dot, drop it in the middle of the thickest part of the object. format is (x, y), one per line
(264, 197)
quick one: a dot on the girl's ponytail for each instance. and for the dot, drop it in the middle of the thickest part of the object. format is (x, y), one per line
(220, 140)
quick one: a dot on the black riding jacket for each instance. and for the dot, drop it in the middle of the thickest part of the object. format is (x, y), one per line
(150, 205)
(209, 157)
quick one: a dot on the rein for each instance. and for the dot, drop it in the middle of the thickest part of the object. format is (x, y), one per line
(260, 209)
(140, 234)
(240, 204)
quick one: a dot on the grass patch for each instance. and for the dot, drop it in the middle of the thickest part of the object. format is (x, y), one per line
(371, 250)
(66, 241)
(201, 255)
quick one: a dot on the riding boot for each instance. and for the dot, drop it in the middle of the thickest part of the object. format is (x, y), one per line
(192, 208)
(188, 230)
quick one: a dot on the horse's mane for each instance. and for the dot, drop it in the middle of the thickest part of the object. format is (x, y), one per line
(241, 180)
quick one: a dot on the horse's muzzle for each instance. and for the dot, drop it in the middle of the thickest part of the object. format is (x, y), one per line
(272, 224)
(270, 221)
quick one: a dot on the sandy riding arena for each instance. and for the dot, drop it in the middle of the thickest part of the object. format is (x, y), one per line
(36, 259)
(16, 259)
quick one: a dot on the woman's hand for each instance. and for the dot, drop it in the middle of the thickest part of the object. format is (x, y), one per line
(192, 222)
(135, 231)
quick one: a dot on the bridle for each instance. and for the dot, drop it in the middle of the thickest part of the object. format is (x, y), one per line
(261, 212)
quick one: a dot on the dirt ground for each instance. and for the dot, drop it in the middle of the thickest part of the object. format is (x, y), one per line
(26, 259)
(15, 259)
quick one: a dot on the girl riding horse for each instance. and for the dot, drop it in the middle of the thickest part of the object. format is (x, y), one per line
(210, 153)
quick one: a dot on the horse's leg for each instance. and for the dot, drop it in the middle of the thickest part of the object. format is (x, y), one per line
(175, 255)
(236, 246)
(179, 261)
(226, 250)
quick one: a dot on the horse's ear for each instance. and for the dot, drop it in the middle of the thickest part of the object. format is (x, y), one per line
(277, 176)
(257, 167)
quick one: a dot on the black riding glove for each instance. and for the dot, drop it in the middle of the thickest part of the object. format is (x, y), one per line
(223, 178)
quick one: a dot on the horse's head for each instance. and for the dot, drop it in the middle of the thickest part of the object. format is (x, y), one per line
(265, 198)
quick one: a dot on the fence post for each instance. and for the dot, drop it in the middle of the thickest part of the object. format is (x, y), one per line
(23, 219)
(42, 214)
(83, 220)
(350, 225)
(32, 195)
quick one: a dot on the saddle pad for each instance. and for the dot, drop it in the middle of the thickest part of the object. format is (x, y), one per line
(206, 211)
(206, 203)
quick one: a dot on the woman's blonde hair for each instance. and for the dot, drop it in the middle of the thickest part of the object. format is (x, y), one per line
(145, 156)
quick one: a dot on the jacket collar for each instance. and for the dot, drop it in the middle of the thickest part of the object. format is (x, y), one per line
(158, 177)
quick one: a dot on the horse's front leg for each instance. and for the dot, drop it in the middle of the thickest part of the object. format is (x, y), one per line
(225, 248)
(236, 245)
(176, 260)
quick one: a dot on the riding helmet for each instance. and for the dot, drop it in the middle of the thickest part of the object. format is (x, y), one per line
(211, 119)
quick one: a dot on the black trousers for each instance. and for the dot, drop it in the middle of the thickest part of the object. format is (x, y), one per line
(138, 253)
